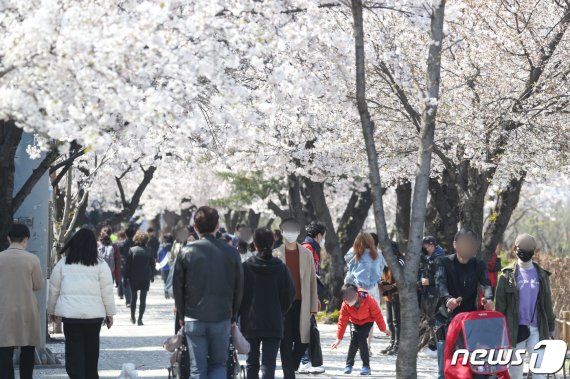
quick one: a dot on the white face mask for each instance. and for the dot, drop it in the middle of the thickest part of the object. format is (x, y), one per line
(290, 236)
(322, 243)
(351, 303)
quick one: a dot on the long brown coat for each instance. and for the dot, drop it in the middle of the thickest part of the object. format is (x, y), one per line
(309, 297)
(20, 276)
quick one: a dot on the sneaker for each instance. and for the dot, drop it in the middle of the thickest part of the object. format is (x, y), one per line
(140, 323)
(394, 350)
(348, 370)
(317, 370)
(305, 369)
(365, 371)
(429, 352)
(388, 348)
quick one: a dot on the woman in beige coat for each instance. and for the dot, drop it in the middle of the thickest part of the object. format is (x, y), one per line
(297, 327)
(20, 276)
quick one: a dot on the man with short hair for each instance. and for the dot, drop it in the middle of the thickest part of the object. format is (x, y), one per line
(458, 278)
(297, 327)
(20, 276)
(314, 242)
(208, 287)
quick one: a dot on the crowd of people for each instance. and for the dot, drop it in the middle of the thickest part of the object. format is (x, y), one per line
(266, 284)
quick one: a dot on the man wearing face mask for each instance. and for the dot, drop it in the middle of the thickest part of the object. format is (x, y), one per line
(524, 297)
(458, 278)
(297, 325)
(314, 242)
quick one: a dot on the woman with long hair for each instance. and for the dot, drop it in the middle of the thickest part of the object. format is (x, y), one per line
(268, 295)
(139, 270)
(365, 267)
(81, 293)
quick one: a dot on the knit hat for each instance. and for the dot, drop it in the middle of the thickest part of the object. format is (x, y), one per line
(525, 242)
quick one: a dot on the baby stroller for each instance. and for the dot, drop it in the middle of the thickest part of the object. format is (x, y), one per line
(476, 330)
(235, 369)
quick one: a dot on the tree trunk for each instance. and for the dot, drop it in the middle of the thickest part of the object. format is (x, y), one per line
(334, 267)
(129, 208)
(10, 136)
(354, 217)
(443, 214)
(403, 210)
(409, 338)
(295, 202)
(507, 201)
(253, 219)
(473, 184)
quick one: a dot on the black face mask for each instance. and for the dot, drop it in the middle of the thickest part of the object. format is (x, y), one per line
(525, 255)
(424, 250)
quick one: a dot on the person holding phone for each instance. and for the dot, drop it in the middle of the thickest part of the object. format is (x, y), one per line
(81, 293)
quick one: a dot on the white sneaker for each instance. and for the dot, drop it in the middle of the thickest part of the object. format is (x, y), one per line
(429, 352)
(317, 370)
(305, 369)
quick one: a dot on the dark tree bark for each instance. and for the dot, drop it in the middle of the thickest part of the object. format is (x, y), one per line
(130, 206)
(506, 202)
(354, 217)
(403, 213)
(253, 219)
(443, 211)
(10, 137)
(334, 268)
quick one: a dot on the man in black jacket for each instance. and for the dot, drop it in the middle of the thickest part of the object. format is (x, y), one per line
(124, 248)
(458, 278)
(208, 287)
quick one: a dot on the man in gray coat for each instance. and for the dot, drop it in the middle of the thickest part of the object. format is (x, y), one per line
(20, 276)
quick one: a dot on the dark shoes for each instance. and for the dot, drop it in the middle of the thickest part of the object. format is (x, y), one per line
(140, 323)
(388, 348)
(394, 350)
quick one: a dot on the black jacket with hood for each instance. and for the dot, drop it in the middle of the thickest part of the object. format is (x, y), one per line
(268, 295)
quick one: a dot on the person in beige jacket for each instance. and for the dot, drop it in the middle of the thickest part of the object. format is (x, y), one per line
(20, 276)
(297, 327)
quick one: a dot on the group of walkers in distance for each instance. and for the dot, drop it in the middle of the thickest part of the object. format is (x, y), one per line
(264, 283)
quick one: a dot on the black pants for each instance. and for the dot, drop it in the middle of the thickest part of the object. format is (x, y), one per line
(82, 349)
(359, 341)
(393, 308)
(270, 347)
(292, 349)
(142, 305)
(27, 356)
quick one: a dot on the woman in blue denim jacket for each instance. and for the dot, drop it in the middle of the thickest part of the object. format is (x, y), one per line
(365, 266)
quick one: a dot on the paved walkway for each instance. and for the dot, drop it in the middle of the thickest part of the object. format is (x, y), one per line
(142, 345)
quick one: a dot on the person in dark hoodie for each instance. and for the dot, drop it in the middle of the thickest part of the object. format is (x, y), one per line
(268, 294)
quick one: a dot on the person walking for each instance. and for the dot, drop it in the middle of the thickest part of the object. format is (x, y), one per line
(208, 288)
(124, 248)
(362, 311)
(314, 242)
(268, 295)
(81, 293)
(139, 272)
(365, 267)
(297, 329)
(389, 291)
(20, 276)
(427, 290)
(458, 279)
(106, 250)
(164, 256)
(524, 297)
(116, 252)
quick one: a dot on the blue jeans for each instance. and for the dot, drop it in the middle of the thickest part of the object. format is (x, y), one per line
(270, 347)
(208, 348)
(440, 345)
(125, 290)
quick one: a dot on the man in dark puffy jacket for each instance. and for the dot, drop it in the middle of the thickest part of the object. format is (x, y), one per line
(208, 287)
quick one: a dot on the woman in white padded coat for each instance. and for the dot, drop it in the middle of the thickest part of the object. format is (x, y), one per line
(81, 293)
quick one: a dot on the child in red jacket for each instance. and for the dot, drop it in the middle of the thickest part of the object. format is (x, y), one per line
(362, 311)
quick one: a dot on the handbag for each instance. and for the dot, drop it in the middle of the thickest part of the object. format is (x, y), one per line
(315, 352)
(239, 341)
(174, 342)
